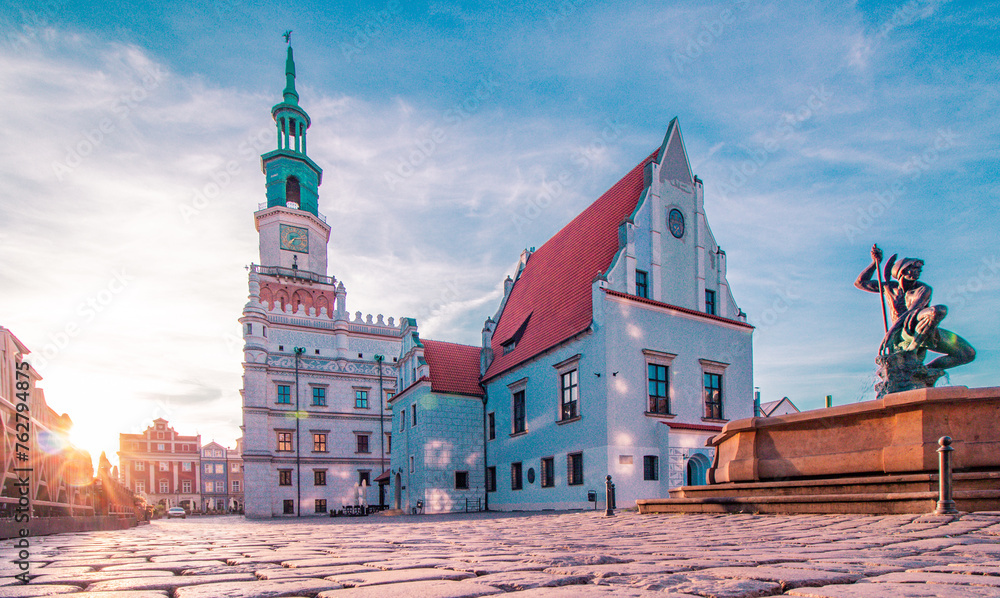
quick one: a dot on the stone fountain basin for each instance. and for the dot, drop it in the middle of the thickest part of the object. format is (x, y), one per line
(896, 434)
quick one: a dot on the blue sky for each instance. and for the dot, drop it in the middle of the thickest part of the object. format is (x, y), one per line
(130, 171)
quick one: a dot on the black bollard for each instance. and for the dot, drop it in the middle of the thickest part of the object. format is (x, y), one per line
(945, 505)
(609, 492)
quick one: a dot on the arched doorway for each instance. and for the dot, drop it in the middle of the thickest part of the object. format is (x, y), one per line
(397, 491)
(697, 470)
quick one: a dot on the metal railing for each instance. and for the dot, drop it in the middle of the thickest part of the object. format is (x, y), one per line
(292, 206)
(293, 273)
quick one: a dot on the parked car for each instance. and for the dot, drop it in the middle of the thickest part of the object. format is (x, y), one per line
(176, 512)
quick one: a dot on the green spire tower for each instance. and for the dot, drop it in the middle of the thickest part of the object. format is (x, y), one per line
(293, 179)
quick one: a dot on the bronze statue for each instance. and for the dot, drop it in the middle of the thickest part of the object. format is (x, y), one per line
(915, 327)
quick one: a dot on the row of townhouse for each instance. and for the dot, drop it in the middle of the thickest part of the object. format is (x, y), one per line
(171, 469)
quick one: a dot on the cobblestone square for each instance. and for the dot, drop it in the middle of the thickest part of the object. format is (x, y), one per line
(541, 554)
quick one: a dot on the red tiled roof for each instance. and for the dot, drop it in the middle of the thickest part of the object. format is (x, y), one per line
(454, 368)
(554, 287)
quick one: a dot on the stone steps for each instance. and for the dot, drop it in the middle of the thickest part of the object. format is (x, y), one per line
(877, 495)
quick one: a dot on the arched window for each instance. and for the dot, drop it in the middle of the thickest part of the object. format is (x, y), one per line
(292, 191)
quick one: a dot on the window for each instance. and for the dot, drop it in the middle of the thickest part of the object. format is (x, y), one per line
(164, 466)
(319, 396)
(491, 478)
(141, 486)
(411, 464)
(713, 396)
(650, 468)
(220, 468)
(235, 467)
(402, 421)
(574, 469)
(491, 426)
(361, 399)
(518, 412)
(220, 487)
(164, 486)
(659, 401)
(515, 476)
(186, 466)
(319, 442)
(288, 507)
(284, 477)
(218, 453)
(364, 477)
(161, 447)
(388, 442)
(413, 410)
(319, 477)
(284, 394)
(710, 302)
(321, 505)
(249, 328)
(509, 346)
(208, 468)
(641, 286)
(388, 396)
(186, 486)
(658, 381)
(570, 391)
(362, 443)
(285, 441)
(140, 466)
(461, 480)
(292, 189)
(236, 485)
(548, 472)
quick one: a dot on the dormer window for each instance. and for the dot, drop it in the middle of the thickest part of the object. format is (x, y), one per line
(511, 343)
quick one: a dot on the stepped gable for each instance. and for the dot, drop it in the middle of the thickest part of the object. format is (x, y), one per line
(554, 288)
(454, 368)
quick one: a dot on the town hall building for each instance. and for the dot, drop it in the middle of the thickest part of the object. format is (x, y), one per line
(617, 349)
(315, 380)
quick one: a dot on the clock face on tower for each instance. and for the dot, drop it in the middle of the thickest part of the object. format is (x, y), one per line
(294, 238)
(675, 221)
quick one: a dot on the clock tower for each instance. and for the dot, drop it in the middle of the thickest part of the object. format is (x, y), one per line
(293, 234)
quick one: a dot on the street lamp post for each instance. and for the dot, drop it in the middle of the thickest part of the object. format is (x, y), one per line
(298, 460)
(381, 422)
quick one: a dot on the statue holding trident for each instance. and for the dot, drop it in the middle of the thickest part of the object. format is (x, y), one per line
(914, 329)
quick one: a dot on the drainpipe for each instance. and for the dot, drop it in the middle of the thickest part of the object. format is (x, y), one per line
(486, 469)
(381, 423)
(298, 459)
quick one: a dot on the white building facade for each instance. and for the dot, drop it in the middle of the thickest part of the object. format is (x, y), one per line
(617, 349)
(315, 421)
(437, 458)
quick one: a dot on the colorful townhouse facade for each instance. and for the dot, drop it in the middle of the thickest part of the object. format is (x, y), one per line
(162, 465)
(214, 478)
(44, 474)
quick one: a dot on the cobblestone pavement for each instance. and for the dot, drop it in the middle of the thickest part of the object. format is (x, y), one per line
(523, 555)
